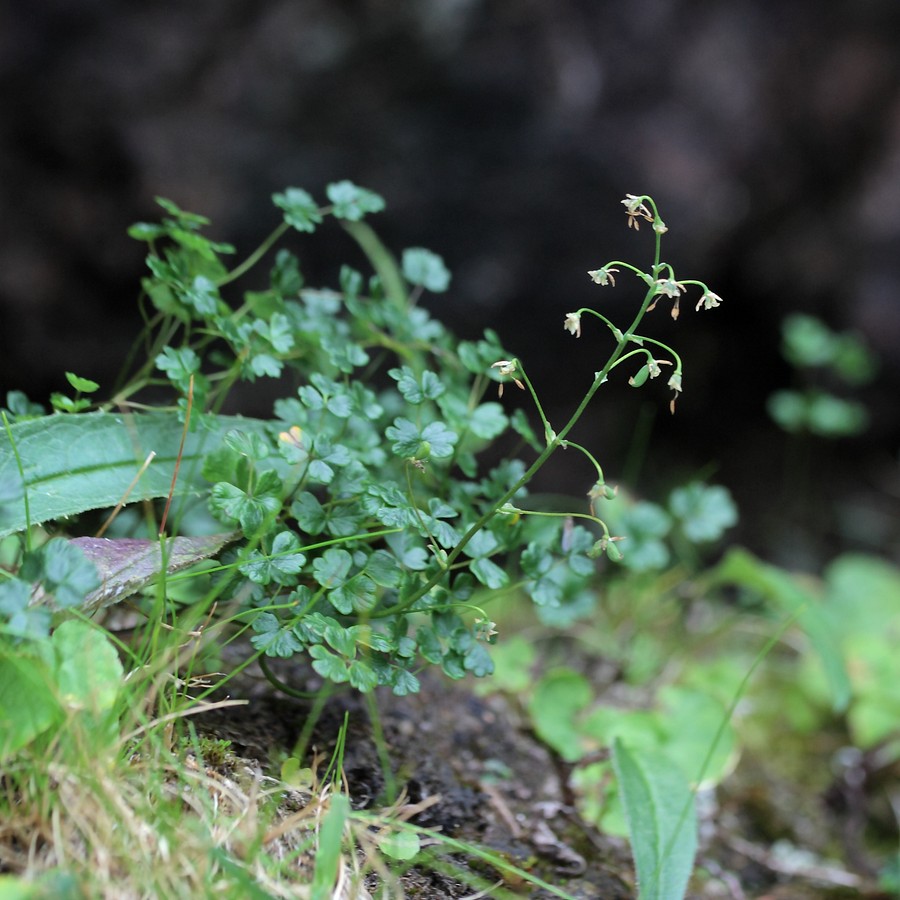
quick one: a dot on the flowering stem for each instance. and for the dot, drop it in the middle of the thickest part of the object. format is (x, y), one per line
(555, 442)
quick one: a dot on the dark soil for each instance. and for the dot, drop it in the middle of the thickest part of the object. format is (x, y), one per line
(488, 780)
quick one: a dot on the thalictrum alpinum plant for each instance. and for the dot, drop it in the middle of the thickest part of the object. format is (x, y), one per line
(371, 535)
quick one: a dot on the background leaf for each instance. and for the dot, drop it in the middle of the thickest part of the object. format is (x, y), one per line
(89, 673)
(787, 594)
(27, 704)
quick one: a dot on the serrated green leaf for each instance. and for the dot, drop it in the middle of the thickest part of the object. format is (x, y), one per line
(187, 218)
(402, 845)
(548, 589)
(264, 365)
(280, 566)
(285, 277)
(404, 682)
(429, 644)
(66, 572)
(300, 210)
(344, 355)
(21, 407)
(277, 331)
(417, 389)
(705, 512)
(422, 267)
(145, 231)
(246, 443)
(64, 404)
(331, 568)
(202, 296)
(251, 511)
(89, 674)
(179, 365)
(274, 639)
(482, 543)
(478, 661)
(405, 436)
(15, 595)
(328, 665)
(85, 385)
(355, 595)
(341, 639)
(384, 569)
(489, 573)
(22, 620)
(488, 420)
(362, 676)
(352, 202)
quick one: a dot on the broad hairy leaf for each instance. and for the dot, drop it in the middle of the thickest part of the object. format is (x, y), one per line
(662, 820)
(74, 463)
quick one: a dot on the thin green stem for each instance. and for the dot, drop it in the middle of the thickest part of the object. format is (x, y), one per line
(554, 444)
(255, 256)
(565, 515)
(548, 431)
(588, 454)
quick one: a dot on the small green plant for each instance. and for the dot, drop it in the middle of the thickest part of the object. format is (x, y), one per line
(358, 526)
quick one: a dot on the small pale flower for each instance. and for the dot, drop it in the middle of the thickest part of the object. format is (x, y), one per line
(603, 276)
(675, 384)
(293, 436)
(636, 210)
(485, 630)
(660, 227)
(507, 367)
(291, 445)
(601, 491)
(709, 300)
(670, 287)
(653, 366)
(573, 323)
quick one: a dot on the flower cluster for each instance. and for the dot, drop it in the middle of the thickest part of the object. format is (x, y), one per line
(661, 283)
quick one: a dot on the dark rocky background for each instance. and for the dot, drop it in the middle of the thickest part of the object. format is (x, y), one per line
(503, 134)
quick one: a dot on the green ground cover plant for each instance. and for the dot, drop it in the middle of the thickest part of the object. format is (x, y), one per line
(358, 528)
